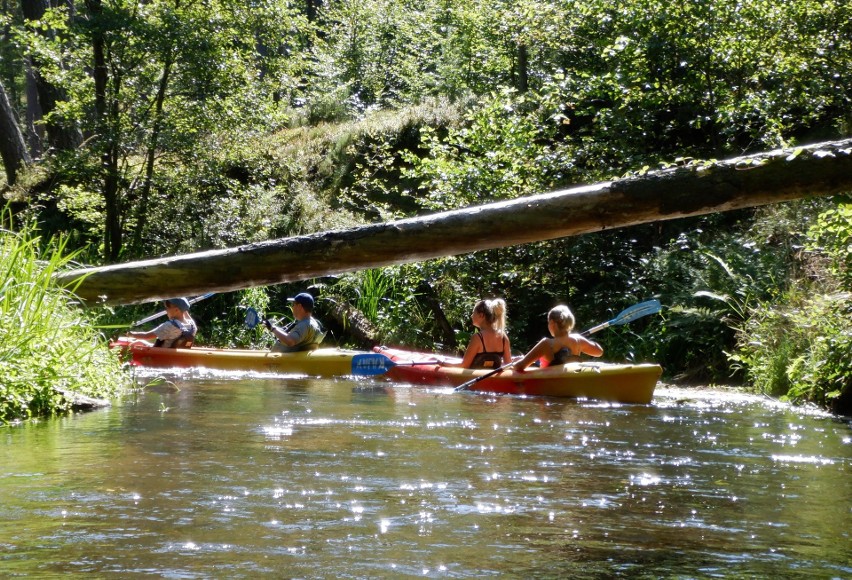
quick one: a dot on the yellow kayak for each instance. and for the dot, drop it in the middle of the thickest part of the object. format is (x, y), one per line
(322, 362)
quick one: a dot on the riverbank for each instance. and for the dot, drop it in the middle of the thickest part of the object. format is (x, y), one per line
(54, 358)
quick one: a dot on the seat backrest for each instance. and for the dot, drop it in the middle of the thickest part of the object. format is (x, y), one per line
(182, 342)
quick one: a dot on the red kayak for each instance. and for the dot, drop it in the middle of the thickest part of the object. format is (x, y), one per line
(622, 383)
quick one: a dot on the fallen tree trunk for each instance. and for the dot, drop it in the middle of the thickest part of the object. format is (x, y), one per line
(353, 322)
(696, 189)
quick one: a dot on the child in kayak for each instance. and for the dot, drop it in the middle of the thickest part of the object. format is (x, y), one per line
(489, 348)
(304, 333)
(564, 346)
(177, 332)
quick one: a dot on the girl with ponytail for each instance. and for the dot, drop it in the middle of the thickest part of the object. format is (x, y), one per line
(489, 348)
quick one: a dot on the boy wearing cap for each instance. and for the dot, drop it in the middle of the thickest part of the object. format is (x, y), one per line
(305, 333)
(177, 332)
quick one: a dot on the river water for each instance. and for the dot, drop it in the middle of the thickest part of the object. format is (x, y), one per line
(299, 478)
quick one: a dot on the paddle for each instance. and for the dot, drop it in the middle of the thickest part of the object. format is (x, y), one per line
(625, 316)
(370, 364)
(367, 364)
(159, 314)
(253, 319)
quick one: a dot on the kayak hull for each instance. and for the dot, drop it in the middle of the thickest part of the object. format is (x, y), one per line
(621, 383)
(323, 362)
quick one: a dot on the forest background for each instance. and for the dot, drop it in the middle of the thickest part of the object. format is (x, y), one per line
(137, 130)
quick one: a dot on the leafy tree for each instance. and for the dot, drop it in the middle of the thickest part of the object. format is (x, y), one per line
(153, 94)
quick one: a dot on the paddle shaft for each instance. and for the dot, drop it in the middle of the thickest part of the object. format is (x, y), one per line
(253, 318)
(163, 312)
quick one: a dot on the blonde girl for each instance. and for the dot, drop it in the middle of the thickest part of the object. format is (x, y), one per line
(564, 345)
(489, 348)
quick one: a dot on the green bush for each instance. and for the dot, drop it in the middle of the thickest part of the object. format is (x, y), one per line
(800, 350)
(800, 347)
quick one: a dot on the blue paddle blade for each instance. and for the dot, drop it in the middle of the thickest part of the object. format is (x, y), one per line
(636, 311)
(367, 365)
(252, 318)
(628, 315)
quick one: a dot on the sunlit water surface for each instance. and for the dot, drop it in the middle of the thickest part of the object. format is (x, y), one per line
(293, 477)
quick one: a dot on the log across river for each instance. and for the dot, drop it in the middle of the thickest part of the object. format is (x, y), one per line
(695, 189)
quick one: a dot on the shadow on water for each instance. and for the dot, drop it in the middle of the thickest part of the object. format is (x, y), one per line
(293, 477)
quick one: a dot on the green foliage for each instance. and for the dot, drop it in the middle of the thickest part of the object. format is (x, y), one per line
(831, 236)
(375, 287)
(798, 347)
(503, 150)
(225, 327)
(49, 348)
(448, 105)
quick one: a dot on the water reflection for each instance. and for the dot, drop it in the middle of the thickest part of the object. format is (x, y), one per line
(337, 478)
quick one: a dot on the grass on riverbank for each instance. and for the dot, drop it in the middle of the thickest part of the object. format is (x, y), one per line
(49, 350)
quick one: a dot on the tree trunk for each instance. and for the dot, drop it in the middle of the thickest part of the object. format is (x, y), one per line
(700, 188)
(523, 81)
(13, 148)
(35, 128)
(142, 211)
(427, 294)
(61, 137)
(354, 323)
(106, 119)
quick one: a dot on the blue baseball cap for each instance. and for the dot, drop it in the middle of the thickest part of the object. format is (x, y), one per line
(181, 303)
(305, 299)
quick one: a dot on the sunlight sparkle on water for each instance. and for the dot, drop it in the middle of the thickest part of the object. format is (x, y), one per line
(645, 479)
(802, 459)
(276, 432)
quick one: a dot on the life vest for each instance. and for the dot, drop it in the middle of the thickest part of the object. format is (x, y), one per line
(186, 338)
(312, 343)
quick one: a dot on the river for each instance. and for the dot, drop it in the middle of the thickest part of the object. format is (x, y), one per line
(223, 477)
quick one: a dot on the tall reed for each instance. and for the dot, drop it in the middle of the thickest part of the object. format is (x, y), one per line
(49, 349)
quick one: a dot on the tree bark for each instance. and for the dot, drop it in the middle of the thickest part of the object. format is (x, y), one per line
(34, 126)
(106, 114)
(700, 188)
(428, 297)
(354, 323)
(523, 81)
(13, 148)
